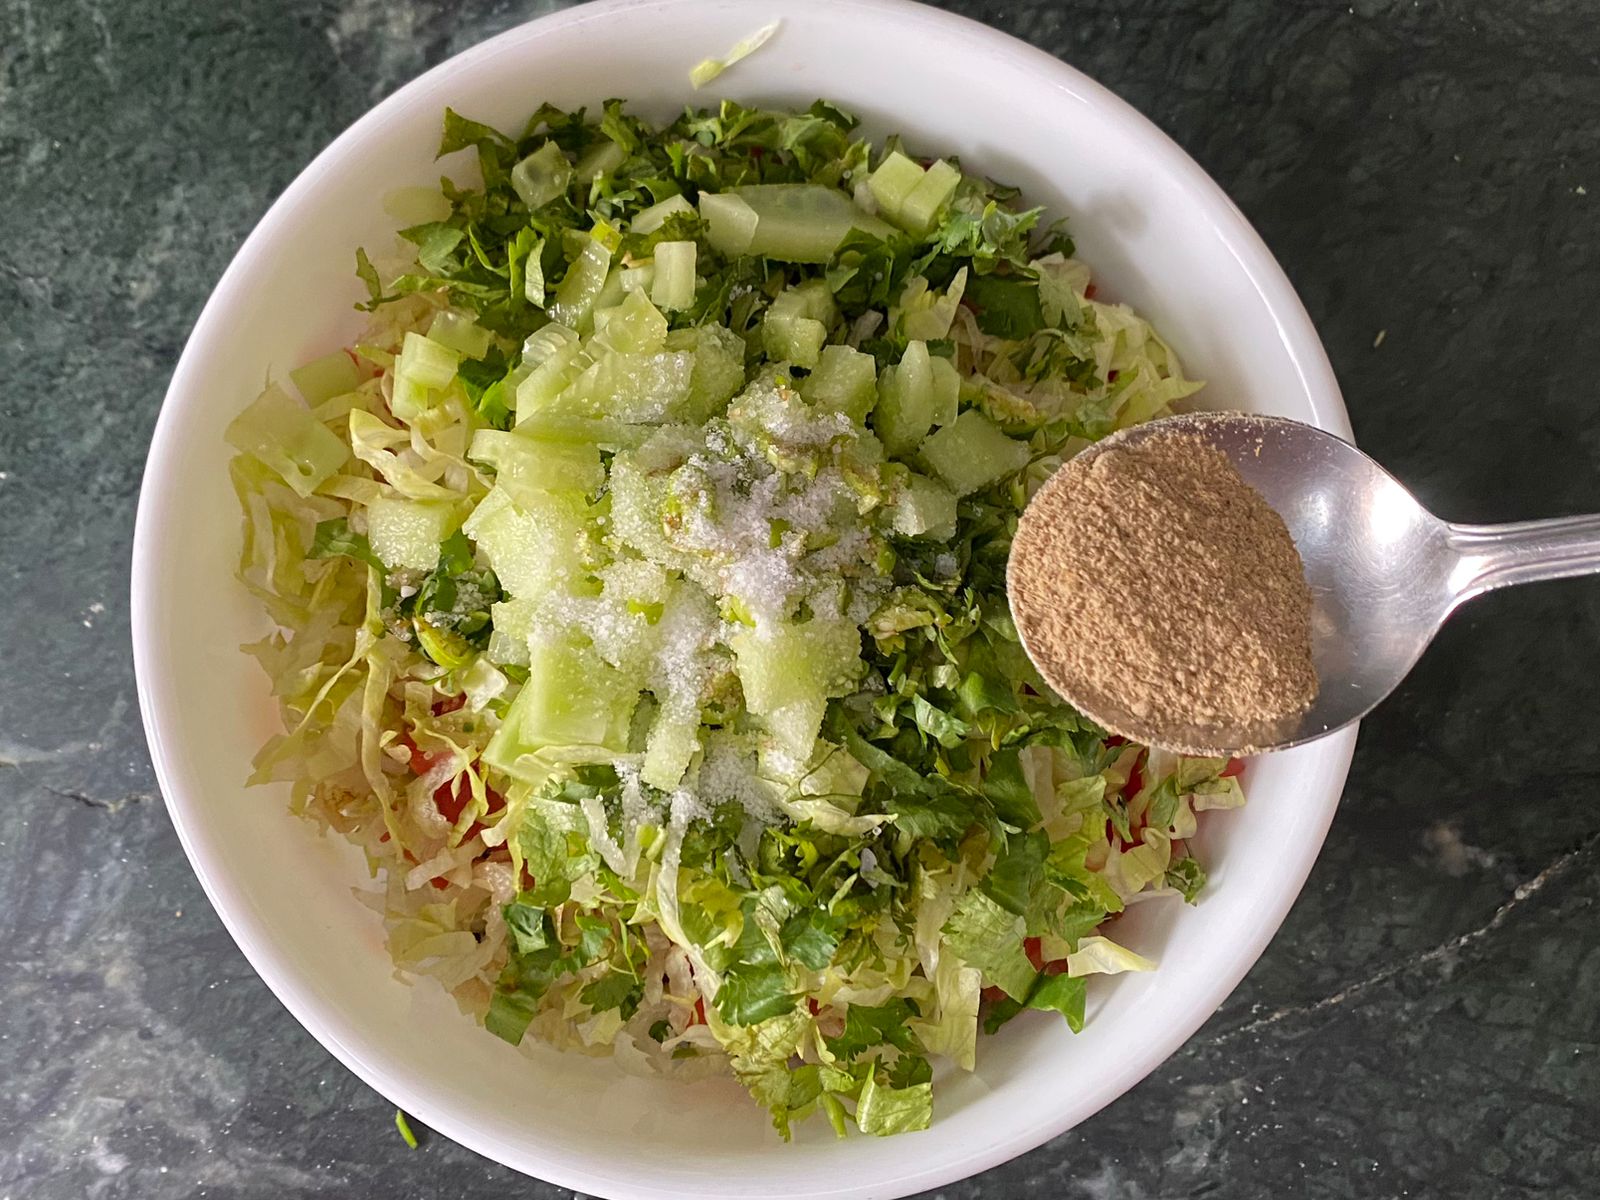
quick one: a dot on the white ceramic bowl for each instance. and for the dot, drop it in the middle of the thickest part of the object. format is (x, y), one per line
(1159, 233)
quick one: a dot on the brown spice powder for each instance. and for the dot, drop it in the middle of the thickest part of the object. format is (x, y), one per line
(1152, 580)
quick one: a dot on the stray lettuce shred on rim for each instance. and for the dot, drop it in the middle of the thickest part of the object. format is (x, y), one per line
(639, 584)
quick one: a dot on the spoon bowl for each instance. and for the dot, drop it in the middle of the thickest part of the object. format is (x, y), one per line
(1384, 572)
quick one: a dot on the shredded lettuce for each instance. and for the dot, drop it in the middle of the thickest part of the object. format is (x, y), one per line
(708, 69)
(640, 583)
(404, 1126)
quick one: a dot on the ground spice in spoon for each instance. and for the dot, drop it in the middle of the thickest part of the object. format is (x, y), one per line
(1150, 579)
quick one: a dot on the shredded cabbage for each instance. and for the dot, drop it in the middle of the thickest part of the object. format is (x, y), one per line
(708, 69)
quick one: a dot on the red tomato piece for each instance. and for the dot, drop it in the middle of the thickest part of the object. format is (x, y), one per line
(1135, 778)
(1032, 948)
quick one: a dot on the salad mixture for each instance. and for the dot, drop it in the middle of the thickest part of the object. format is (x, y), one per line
(640, 579)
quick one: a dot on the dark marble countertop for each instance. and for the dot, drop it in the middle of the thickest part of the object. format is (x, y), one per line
(1427, 1022)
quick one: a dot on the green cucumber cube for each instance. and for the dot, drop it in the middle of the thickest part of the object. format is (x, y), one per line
(542, 176)
(946, 390)
(973, 452)
(512, 625)
(730, 222)
(804, 222)
(895, 179)
(921, 208)
(524, 464)
(844, 380)
(673, 287)
(673, 740)
(812, 299)
(904, 412)
(407, 533)
(324, 378)
(581, 286)
(648, 220)
(461, 333)
(634, 326)
(718, 373)
(796, 340)
(534, 546)
(572, 698)
(925, 508)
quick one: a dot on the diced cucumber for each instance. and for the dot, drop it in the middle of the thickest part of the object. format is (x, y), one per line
(638, 279)
(774, 670)
(409, 206)
(582, 285)
(904, 412)
(533, 289)
(797, 340)
(602, 158)
(432, 364)
(542, 176)
(673, 287)
(784, 663)
(634, 326)
(925, 508)
(423, 368)
(525, 464)
(895, 179)
(337, 408)
(673, 740)
(795, 726)
(407, 533)
(718, 368)
(636, 501)
(812, 299)
(927, 315)
(541, 390)
(973, 452)
(730, 222)
(834, 650)
(282, 433)
(648, 220)
(946, 390)
(634, 387)
(627, 618)
(533, 546)
(612, 293)
(408, 400)
(804, 222)
(844, 380)
(788, 671)
(324, 378)
(921, 208)
(543, 343)
(461, 333)
(512, 624)
(572, 698)
(594, 431)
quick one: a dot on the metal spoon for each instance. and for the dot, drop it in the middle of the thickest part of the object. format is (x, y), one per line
(1384, 571)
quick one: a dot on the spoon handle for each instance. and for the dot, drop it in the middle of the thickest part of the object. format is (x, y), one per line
(1493, 556)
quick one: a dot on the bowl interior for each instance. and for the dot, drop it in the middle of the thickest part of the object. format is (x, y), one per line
(1160, 236)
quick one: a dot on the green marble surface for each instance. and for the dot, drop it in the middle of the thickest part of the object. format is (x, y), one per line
(1428, 1021)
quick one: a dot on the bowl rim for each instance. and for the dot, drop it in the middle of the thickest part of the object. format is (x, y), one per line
(160, 489)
